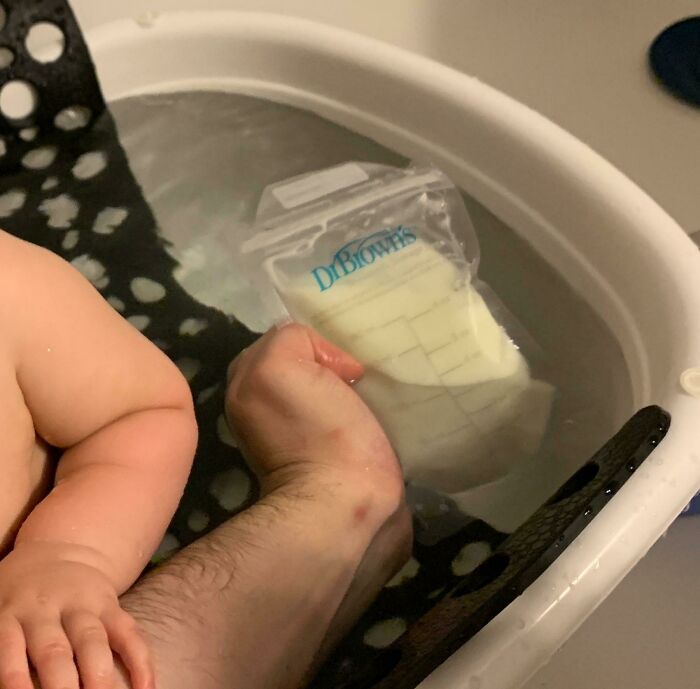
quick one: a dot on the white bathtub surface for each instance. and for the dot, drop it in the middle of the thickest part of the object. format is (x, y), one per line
(645, 635)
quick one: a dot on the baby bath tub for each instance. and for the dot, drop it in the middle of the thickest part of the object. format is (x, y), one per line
(608, 240)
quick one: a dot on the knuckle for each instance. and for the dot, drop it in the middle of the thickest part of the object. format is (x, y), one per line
(90, 634)
(12, 677)
(259, 384)
(127, 624)
(8, 639)
(54, 649)
(291, 331)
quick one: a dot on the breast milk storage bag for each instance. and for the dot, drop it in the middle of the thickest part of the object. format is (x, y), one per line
(382, 262)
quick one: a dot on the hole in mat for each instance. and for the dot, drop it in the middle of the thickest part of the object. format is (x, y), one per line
(72, 117)
(7, 57)
(486, 573)
(45, 42)
(18, 99)
(576, 483)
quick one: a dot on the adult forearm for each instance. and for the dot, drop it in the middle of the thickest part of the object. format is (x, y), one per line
(249, 605)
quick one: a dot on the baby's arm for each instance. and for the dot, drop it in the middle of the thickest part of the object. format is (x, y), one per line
(120, 409)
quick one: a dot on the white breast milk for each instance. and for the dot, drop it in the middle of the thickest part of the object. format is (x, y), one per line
(451, 390)
(382, 261)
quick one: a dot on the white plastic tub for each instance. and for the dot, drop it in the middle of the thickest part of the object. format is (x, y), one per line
(609, 240)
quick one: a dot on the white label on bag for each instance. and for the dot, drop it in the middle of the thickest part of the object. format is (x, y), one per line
(314, 187)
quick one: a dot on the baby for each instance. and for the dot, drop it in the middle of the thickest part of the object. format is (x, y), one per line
(75, 376)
